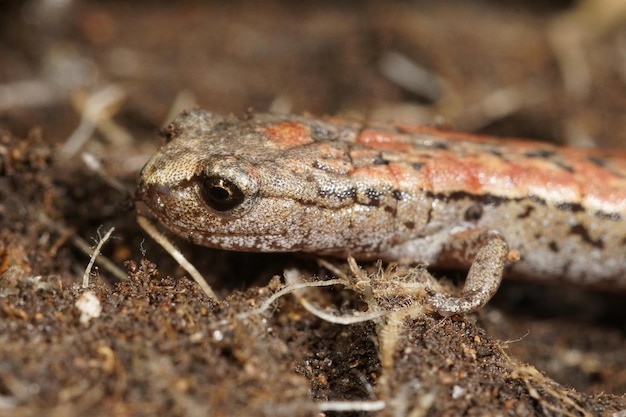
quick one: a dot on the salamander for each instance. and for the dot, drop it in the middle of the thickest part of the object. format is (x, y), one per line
(286, 183)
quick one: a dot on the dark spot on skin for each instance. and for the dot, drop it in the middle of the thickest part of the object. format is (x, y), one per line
(320, 133)
(319, 165)
(599, 162)
(399, 195)
(582, 231)
(497, 153)
(483, 199)
(373, 197)
(608, 216)
(526, 213)
(347, 193)
(389, 209)
(417, 165)
(537, 200)
(324, 192)
(573, 207)
(349, 149)
(342, 194)
(438, 145)
(553, 246)
(473, 213)
(540, 153)
(564, 166)
(379, 160)
(307, 203)
(169, 133)
(493, 200)
(409, 225)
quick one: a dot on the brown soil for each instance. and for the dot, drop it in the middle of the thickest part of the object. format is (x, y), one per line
(159, 346)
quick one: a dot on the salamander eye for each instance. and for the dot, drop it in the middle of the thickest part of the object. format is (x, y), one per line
(221, 194)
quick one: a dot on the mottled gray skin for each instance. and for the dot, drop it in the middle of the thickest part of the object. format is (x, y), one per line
(340, 188)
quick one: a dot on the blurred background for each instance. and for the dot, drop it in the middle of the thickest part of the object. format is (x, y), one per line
(550, 70)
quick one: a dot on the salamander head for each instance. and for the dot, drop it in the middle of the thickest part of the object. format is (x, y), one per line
(226, 183)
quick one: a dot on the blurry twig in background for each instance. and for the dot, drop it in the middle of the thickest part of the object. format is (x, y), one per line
(63, 71)
(571, 31)
(96, 112)
(184, 100)
(411, 76)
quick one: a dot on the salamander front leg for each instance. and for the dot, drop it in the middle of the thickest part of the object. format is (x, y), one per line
(483, 278)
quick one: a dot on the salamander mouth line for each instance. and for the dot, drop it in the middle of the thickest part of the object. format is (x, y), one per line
(234, 234)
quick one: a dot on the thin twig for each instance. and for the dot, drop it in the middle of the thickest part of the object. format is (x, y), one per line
(351, 406)
(97, 108)
(94, 255)
(290, 288)
(177, 255)
(96, 166)
(292, 278)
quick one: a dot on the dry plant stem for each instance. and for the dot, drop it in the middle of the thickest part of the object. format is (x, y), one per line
(96, 109)
(351, 406)
(177, 255)
(84, 247)
(94, 164)
(332, 268)
(533, 379)
(345, 319)
(60, 241)
(570, 34)
(389, 333)
(105, 263)
(29, 93)
(94, 256)
(185, 99)
(292, 277)
(288, 290)
(410, 75)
